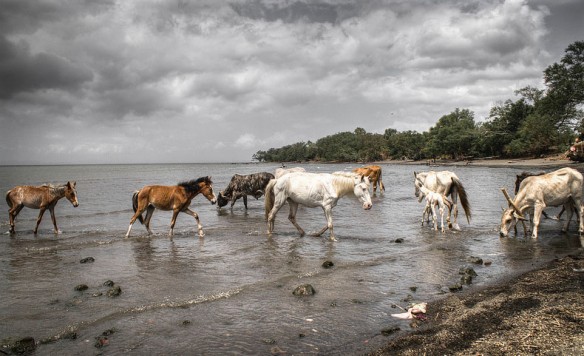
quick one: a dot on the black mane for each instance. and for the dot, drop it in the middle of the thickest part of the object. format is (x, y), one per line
(192, 186)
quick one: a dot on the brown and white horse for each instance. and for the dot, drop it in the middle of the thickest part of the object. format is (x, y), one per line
(175, 197)
(39, 197)
(374, 174)
(313, 190)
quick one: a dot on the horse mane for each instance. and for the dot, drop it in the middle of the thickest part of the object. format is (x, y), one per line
(55, 188)
(192, 186)
(342, 183)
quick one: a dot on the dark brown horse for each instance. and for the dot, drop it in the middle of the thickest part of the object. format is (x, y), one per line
(174, 197)
(39, 197)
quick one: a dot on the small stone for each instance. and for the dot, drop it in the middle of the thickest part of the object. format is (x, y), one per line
(468, 271)
(414, 289)
(488, 262)
(466, 279)
(81, 287)
(475, 260)
(114, 292)
(455, 287)
(399, 241)
(269, 341)
(305, 289)
(108, 283)
(186, 322)
(87, 260)
(327, 264)
(24, 345)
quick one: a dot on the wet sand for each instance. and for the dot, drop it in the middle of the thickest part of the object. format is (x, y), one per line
(538, 312)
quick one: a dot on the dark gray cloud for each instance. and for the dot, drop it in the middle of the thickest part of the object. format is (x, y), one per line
(22, 71)
(155, 81)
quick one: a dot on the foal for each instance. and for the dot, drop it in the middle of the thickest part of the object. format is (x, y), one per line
(434, 199)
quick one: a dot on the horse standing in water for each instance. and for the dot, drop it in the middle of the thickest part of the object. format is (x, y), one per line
(175, 197)
(312, 190)
(434, 199)
(447, 184)
(39, 197)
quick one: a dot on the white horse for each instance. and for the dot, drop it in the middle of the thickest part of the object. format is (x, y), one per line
(312, 190)
(448, 184)
(434, 199)
(281, 171)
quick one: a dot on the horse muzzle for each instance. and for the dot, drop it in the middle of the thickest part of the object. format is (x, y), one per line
(367, 206)
(75, 204)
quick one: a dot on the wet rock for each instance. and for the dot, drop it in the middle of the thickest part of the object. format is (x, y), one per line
(399, 241)
(114, 291)
(455, 287)
(327, 264)
(101, 341)
(413, 288)
(97, 294)
(269, 341)
(488, 262)
(24, 345)
(87, 260)
(475, 260)
(390, 330)
(408, 298)
(466, 279)
(305, 289)
(108, 283)
(357, 301)
(467, 271)
(301, 335)
(81, 287)
(186, 322)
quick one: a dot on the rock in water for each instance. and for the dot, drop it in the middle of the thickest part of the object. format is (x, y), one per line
(305, 289)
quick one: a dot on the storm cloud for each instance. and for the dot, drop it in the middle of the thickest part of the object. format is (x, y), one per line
(181, 81)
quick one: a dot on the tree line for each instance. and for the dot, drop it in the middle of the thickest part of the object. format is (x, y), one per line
(540, 121)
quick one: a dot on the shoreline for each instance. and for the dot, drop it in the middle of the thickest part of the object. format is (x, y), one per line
(536, 312)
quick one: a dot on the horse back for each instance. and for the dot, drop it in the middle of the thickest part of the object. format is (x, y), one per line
(163, 197)
(30, 196)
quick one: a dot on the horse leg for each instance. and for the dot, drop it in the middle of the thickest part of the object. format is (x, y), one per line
(245, 201)
(12, 213)
(278, 203)
(196, 216)
(536, 218)
(434, 218)
(328, 213)
(172, 222)
(441, 210)
(138, 213)
(570, 213)
(52, 211)
(292, 217)
(149, 213)
(39, 220)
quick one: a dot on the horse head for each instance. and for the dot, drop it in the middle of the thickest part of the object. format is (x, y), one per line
(71, 193)
(510, 215)
(222, 200)
(206, 188)
(361, 191)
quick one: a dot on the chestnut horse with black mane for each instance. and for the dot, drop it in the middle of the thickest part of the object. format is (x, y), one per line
(174, 197)
(39, 197)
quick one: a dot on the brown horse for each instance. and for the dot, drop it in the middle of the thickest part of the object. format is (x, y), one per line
(175, 197)
(374, 174)
(40, 197)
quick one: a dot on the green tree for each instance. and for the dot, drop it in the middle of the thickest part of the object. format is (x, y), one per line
(453, 135)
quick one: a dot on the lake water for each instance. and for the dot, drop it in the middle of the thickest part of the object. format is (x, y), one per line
(231, 291)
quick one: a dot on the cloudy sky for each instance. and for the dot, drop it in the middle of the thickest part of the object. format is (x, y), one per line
(215, 81)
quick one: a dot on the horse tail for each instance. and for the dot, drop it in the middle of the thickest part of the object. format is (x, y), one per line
(269, 199)
(463, 197)
(8, 200)
(135, 206)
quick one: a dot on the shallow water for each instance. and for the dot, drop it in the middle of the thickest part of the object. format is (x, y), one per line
(231, 291)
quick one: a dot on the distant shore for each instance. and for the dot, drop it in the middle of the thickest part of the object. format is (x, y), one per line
(558, 160)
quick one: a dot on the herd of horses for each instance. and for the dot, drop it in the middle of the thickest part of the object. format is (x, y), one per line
(440, 190)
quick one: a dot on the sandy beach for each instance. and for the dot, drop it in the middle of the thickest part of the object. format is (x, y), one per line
(538, 312)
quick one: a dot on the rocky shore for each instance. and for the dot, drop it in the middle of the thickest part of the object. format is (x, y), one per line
(539, 312)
